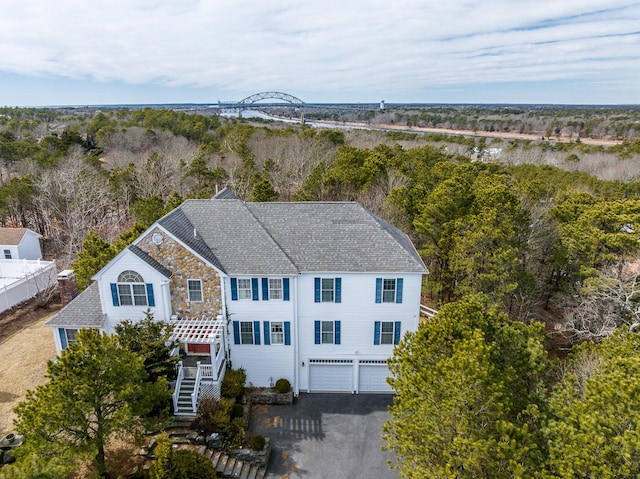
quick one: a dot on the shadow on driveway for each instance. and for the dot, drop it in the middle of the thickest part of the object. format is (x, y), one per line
(326, 436)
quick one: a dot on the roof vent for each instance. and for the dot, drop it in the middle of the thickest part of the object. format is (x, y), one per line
(195, 233)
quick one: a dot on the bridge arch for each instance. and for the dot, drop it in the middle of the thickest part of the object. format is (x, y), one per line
(271, 95)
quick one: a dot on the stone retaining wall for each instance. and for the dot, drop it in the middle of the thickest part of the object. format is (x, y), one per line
(272, 397)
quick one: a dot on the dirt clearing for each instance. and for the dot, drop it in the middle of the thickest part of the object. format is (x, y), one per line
(23, 360)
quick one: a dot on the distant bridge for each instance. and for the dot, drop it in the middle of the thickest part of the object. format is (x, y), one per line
(265, 95)
(286, 101)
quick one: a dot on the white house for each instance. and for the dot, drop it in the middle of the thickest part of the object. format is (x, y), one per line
(315, 292)
(23, 274)
(20, 243)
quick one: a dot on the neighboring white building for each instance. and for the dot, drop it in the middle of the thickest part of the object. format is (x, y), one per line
(315, 292)
(22, 273)
(20, 243)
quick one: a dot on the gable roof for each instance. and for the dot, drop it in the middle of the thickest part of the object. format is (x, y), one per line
(225, 194)
(178, 224)
(84, 311)
(337, 236)
(150, 261)
(236, 238)
(290, 238)
(13, 236)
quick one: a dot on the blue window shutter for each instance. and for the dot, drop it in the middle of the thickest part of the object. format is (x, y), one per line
(336, 327)
(254, 289)
(317, 288)
(234, 289)
(151, 301)
(256, 332)
(287, 333)
(114, 294)
(285, 289)
(317, 328)
(376, 333)
(267, 333)
(265, 289)
(378, 290)
(399, 282)
(396, 332)
(338, 285)
(236, 332)
(63, 338)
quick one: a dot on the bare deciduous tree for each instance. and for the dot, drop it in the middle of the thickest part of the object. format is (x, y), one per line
(605, 303)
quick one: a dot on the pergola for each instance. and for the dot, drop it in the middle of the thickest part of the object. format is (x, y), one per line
(205, 330)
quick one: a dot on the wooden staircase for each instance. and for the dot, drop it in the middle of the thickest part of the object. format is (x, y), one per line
(185, 407)
(228, 467)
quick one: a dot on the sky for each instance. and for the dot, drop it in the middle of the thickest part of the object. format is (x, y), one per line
(92, 52)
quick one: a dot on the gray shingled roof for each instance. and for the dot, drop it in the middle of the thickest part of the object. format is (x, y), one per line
(342, 237)
(236, 238)
(289, 238)
(179, 225)
(83, 312)
(225, 194)
(150, 261)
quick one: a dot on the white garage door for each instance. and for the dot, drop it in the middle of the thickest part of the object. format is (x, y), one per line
(331, 375)
(373, 377)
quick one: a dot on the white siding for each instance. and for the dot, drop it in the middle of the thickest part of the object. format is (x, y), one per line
(357, 313)
(116, 314)
(29, 247)
(264, 363)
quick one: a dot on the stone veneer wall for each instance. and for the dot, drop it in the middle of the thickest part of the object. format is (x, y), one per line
(184, 265)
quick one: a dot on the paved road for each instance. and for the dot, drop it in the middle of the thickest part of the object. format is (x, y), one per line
(333, 436)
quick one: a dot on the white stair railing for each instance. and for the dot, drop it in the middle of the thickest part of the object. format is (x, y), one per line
(176, 391)
(427, 312)
(196, 388)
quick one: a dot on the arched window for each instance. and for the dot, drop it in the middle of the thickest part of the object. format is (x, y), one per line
(131, 289)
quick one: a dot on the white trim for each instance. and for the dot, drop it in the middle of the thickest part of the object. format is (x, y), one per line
(121, 254)
(197, 330)
(271, 324)
(189, 291)
(174, 238)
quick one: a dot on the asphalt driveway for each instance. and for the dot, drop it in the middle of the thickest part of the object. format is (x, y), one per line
(333, 436)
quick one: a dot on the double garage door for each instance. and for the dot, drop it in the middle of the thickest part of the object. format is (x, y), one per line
(339, 375)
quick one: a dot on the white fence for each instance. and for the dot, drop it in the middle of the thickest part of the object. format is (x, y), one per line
(21, 280)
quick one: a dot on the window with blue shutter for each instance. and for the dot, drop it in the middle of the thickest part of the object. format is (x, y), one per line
(336, 325)
(114, 294)
(396, 332)
(399, 282)
(317, 331)
(150, 298)
(287, 333)
(236, 332)
(265, 289)
(254, 289)
(378, 290)
(338, 290)
(267, 333)
(63, 338)
(376, 333)
(285, 289)
(234, 289)
(317, 291)
(256, 332)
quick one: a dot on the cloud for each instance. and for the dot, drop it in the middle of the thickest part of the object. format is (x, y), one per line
(326, 46)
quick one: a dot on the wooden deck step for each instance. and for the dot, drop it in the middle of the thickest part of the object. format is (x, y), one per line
(262, 471)
(222, 464)
(215, 459)
(237, 469)
(230, 465)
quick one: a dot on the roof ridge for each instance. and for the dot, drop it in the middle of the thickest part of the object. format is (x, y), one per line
(270, 235)
(192, 242)
(413, 252)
